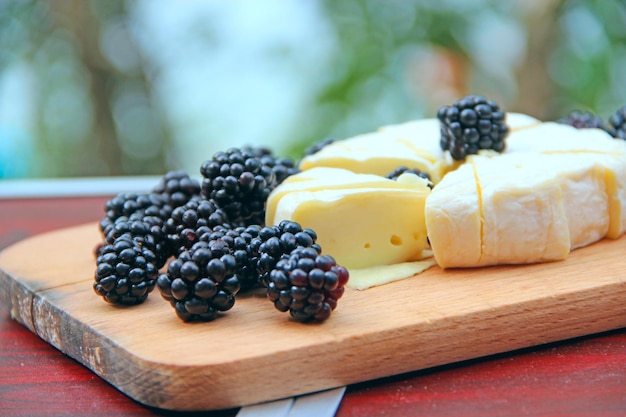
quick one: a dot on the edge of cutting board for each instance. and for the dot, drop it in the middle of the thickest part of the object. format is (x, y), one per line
(254, 353)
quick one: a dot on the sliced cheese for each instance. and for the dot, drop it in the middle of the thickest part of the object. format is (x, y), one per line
(414, 144)
(373, 153)
(360, 225)
(324, 178)
(522, 213)
(453, 219)
(532, 208)
(552, 137)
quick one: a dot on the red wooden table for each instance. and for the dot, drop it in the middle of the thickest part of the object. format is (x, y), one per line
(582, 377)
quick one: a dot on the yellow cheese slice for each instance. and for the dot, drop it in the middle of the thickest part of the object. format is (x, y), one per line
(362, 279)
(324, 178)
(372, 153)
(360, 225)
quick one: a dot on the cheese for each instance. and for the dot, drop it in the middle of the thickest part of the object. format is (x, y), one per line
(554, 189)
(362, 279)
(359, 224)
(532, 208)
(375, 153)
(552, 137)
(323, 178)
(414, 144)
(589, 144)
(453, 218)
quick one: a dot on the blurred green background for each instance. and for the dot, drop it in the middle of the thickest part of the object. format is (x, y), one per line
(140, 87)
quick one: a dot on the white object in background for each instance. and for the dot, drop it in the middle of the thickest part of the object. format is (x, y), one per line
(76, 187)
(319, 404)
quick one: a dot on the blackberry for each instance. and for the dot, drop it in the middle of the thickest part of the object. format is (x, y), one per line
(200, 282)
(306, 284)
(317, 146)
(244, 244)
(181, 228)
(470, 124)
(240, 180)
(177, 187)
(144, 230)
(127, 204)
(275, 241)
(583, 120)
(617, 123)
(126, 272)
(403, 170)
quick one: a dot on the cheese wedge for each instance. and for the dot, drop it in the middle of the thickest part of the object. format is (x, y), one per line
(415, 144)
(359, 224)
(376, 153)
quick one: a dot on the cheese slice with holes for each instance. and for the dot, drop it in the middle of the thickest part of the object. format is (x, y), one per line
(361, 220)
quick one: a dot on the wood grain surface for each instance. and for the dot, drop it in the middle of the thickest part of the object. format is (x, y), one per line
(254, 353)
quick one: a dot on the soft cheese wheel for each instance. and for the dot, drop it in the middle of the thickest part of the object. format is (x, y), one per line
(360, 226)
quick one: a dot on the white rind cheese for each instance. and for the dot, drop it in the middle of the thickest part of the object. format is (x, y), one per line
(533, 207)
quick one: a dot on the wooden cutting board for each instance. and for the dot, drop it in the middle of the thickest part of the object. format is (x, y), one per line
(254, 353)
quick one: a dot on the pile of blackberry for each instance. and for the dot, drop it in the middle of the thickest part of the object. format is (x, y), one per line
(470, 124)
(138, 220)
(213, 235)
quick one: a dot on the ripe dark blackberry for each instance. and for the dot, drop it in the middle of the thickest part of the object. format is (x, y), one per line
(239, 180)
(617, 123)
(144, 230)
(127, 204)
(306, 284)
(403, 170)
(200, 282)
(180, 229)
(177, 187)
(470, 124)
(583, 120)
(275, 241)
(243, 243)
(317, 146)
(126, 272)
